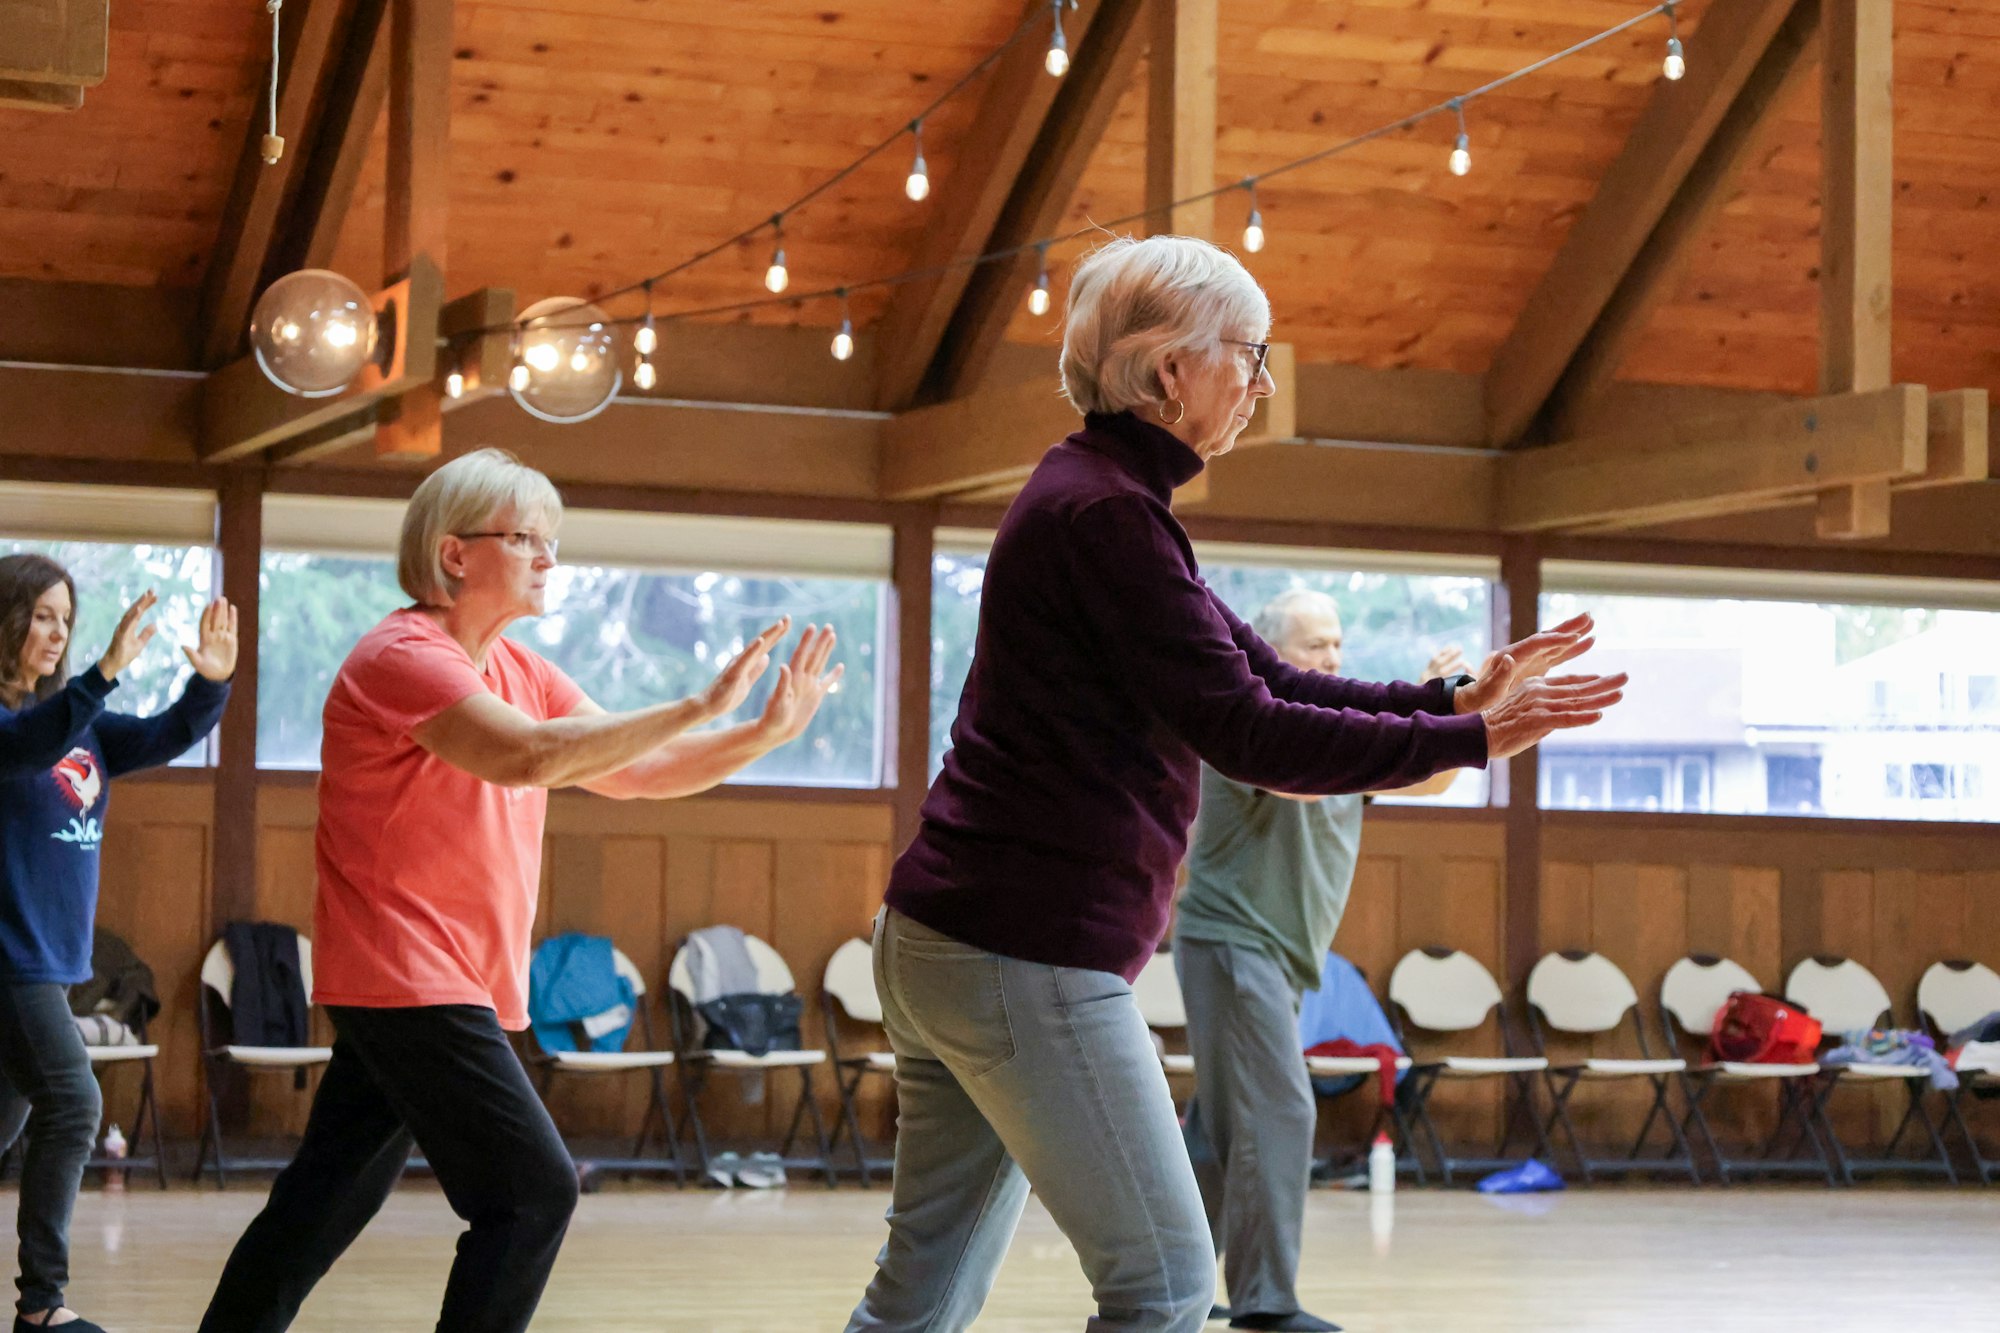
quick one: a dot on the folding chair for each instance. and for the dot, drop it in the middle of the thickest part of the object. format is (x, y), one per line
(1158, 991)
(1692, 994)
(697, 1063)
(1446, 990)
(1952, 996)
(1584, 994)
(646, 1060)
(220, 1054)
(146, 1116)
(1337, 1076)
(847, 994)
(1846, 997)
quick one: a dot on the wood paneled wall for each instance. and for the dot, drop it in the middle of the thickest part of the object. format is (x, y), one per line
(808, 874)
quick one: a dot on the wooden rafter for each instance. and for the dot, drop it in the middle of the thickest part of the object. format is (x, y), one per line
(1012, 112)
(1084, 104)
(355, 97)
(1631, 198)
(1181, 116)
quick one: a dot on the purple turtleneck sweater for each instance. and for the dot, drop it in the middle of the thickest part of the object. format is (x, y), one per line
(1105, 672)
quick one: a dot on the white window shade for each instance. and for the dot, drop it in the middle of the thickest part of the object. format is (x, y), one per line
(1344, 560)
(34, 511)
(625, 538)
(1766, 585)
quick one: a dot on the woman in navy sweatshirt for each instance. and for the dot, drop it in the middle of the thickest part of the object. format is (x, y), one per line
(59, 750)
(1041, 877)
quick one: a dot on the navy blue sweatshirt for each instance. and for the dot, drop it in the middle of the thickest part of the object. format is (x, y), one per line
(57, 759)
(1104, 673)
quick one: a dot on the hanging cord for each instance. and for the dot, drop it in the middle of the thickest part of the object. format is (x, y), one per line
(274, 143)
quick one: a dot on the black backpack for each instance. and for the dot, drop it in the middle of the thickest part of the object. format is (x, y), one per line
(753, 1023)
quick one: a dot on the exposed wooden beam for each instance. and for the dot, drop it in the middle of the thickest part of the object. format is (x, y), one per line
(1718, 464)
(1089, 94)
(54, 413)
(310, 42)
(419, 168)
(1348, 483)
(97, 324)
(1857, 197)
(1787, 63)
(1663, 147)
(911, 689)
(1012, 112)
(355, 97)
(234, 840)
(1180, 116)
(973, 444)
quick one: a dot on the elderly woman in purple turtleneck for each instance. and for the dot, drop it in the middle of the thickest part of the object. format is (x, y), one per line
(1043, 873)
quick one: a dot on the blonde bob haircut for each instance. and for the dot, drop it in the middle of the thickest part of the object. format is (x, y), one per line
(473, 493)
(1135, 303)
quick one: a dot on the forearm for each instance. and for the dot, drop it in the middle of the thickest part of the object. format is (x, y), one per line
(40, 734)
(580, 750)
(686, 765)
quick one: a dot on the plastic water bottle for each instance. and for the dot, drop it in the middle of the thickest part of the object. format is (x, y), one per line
(1382, 1166)
(114, 1151)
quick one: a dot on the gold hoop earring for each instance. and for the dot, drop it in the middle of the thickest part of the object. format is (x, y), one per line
(1180, 411)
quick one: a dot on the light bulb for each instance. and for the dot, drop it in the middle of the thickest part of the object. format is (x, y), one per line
(645, 340)
(843, 342)
(1461, 156)
(918, 186)
(579, 361)
(569, 370)
(1253, 232)
(517, 378)
(1038, 299)
(454, 384)
(776, 277)
(643, 376)
(1058, 60)
(312, 332)
(542, 356)
(1675, 65)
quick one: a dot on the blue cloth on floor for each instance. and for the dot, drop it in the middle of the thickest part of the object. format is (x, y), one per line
(1530, 1177)
(574, 990)
(1894, 1046)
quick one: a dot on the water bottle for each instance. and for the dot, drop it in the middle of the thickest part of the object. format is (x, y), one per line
(114, 1151)
(1382, 1165)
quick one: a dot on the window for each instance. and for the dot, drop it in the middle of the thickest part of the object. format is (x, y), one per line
(630, 632)
(1396, 612)
(1832, 707)
(117, 542)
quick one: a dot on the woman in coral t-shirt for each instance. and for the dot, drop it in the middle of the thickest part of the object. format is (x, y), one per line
(441, 741)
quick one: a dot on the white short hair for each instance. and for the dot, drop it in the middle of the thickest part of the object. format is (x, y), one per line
(1275, 622)
(1133, 303)
(468, 494)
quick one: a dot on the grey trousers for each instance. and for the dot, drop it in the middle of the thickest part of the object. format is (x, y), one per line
(46, 1087)
(1010, 1073)
(1250, 1127)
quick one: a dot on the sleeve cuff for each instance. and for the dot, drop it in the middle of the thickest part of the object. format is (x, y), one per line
(92, 682)
(1465, 740)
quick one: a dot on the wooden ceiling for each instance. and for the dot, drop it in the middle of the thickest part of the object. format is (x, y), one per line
(594, 141)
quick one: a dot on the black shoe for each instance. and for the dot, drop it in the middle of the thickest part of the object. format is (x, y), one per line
(1298, 1321)
(22, 1324)
(1216, 1312)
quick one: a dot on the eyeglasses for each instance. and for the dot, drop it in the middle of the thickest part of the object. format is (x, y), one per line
(530, 543)
(1263, 351)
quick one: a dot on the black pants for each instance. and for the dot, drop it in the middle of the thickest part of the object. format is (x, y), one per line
(445, 1077)
(45, 1085)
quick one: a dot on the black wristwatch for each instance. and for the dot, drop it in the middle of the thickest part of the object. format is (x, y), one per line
(1452, 685)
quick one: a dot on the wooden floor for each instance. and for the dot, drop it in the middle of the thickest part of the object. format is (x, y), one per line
(646, 1259)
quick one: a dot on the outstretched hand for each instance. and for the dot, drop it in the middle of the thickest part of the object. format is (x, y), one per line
(129, 638)
(731, 686)
(802, 686)
(214, 652)
(1530, 659)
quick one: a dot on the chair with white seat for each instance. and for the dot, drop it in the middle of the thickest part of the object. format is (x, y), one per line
(644, 1060)
(1847, 998)
(219, 1053)
(1952, 996)
(1692, 996)
(1437, 990)
(1580, 993)
(847, 996)
(697, 1062)
(1161, 1004)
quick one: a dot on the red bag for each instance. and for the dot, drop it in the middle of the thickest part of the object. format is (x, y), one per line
(1764, 1030)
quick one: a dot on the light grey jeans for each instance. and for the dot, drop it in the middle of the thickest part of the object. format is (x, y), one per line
(1010, 1073)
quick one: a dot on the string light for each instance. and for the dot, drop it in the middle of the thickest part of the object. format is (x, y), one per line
(645, 340)
(1461, 153)
(1057, 60)
(1253, 230)
(1675, 65)
(1038, 299)
(454, 383)
(777, 277)
(843, 341)
(517, 378)
(918, 186)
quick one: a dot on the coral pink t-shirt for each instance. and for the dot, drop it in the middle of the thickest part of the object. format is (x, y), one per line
(427, 874)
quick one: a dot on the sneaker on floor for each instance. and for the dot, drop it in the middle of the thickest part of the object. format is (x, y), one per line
(761, 1171)
(722, 1169)
(1298, 1321)
(1216, 1312)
